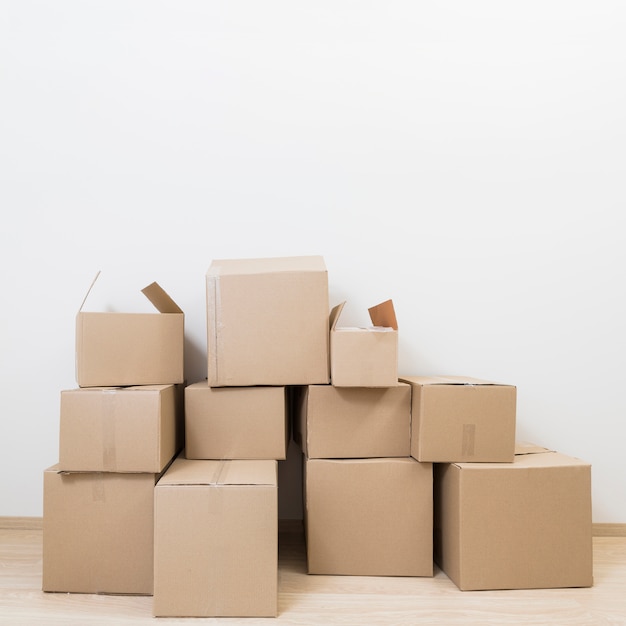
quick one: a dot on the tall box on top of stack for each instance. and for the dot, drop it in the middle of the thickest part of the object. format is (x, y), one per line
(461, 419)
(115, 349)
(520, 525)
(267, 321)
(365, 357)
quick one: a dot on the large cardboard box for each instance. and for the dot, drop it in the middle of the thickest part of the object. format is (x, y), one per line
(461, 419)
(116, 349)
(365, 357)
(369, 517)
(98, 530)
(120, 429)
(236, 422)
(519, 525)
(267, 321)
(216, 539)
(353, 422)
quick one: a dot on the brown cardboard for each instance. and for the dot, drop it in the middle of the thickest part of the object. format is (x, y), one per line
(353, 422)
(216, 539)
(267, 321)
(519, 525)
(461, 419)
(236, 422)
(120, 349)
(369, 517)
(365, 357)
(98, 532)
(120, 429)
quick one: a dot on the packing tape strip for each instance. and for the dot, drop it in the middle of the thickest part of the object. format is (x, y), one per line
(468, 440)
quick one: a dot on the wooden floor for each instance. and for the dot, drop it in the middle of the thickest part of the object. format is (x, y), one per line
(310, 600)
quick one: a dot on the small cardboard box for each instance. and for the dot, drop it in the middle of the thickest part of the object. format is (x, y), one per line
(365, 357)
(267, 322)
(236, 422)
(216, 539)
(520, 525)
(120, 429)
(461, 419)
(353, 422)
(369, 517)
(98, 531)
(121, 349)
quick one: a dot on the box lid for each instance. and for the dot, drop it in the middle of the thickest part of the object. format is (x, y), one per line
(524, 447)
(527, 455)
(447, 380)
(225, 472)
(270, 265)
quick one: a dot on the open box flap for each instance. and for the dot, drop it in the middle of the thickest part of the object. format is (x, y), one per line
(162, 302)
(334, 315)
(384, 315)
(93, 282)
(157, 296)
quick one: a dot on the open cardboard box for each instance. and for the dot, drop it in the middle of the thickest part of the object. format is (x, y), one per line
(365, 357)
(119, 349)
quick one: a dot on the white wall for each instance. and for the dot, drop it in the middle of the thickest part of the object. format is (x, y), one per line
(465, 159)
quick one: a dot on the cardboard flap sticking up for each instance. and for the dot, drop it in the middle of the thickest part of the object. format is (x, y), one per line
(384, 315)
(162, 302)
(334, 315)
(93, 282)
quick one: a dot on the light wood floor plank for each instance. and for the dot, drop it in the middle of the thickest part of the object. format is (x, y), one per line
(315, 600)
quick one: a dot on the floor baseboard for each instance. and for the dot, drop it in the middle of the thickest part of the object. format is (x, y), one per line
(284, 526)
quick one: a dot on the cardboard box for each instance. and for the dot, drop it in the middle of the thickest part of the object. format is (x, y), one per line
(369, 517)
(98, 531)
(236, 422)
(461, 419)
(216, 539)
(353, 422)
(520, 525)
(365, 357)
(121, 349)
(267, 322)
(120, 429)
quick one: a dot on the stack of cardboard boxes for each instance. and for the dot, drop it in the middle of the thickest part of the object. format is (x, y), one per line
(119, 430)
(399, 472)
(368, 506)
(216, 520)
